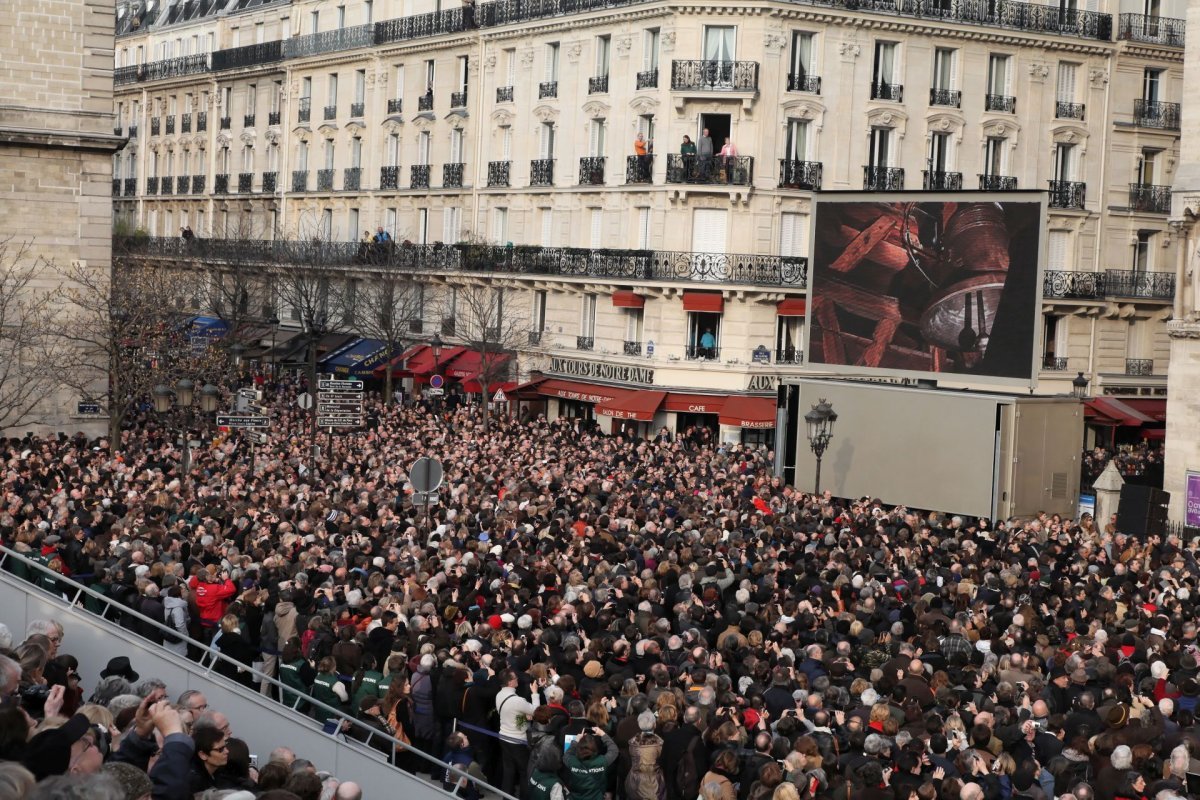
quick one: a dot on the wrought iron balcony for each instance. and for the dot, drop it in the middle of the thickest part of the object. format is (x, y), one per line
(201, 121)
(598, 85)
(458, 99)
(270, 182)
(329, 41)
(591, 171)
(419, 26)
(951, 98)
(633, 348)
(647, 79)
(221, 184)
(351, 179)
(300, 180)
(1141, 367)
(695, 352)
(395, 105)
(251, 55)
(789, 355)
(541, 172)
(130, 187)
(997, 183)
(504, 94)
(170, 124)
(803, 82)
(185, 123)
(133, 131)
(245, 182)
(1000, 102)
(1068, 110)
(164, 68)
(941, 181)
(198, 183)
(1053, 363)
(585, 343)
(800, 174)
(248, 120)
(168, 185)
(714, 76)
(1072, 285)
(274, 117)
(639, 169)
(547, 89)
(1150, 199)
(304, 109)
(117, 130)
(1136, 284)
(425, 102)
(893, 92)
(728, 170)
(182, 184)
(151, 185)
(452, 176)
(1151, 29)
(155, 126)
(330, 112)
(418, 177)
(883, 179)
(226, 122)
(116, 187)
(1156, 114)
(498, 172)
(389, 177)
(357, 110)
(535, 338)
(324, 180)
(1067, 194)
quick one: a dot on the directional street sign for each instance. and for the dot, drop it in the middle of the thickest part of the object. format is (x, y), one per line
(338, 420)
(424, 498)
(257, 438)
(344, 402)
(238, 421)
(326, 385)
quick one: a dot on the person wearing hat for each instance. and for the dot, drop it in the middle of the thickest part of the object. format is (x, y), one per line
(68, 749)
(120, 666)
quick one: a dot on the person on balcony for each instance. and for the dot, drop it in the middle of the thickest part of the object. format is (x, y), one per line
(728, 159)
(687, 151)
(641, 149)
(705, 152)
(708, 345)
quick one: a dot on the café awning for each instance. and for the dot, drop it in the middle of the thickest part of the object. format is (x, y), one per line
(741, 411)
(635, 404)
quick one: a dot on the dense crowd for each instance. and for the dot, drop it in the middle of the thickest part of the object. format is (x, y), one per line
(613, 617)
(1137, 463)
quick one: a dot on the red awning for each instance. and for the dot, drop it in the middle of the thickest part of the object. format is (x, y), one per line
(528, 390)
(423, 363)
(469, 364)
(584, 392)
(710, 302)
(694, 403)
(627, 299)
(1153, 407)
(1154, 433)
(637, 404)
(1118, 410)
(792, 307)
(397, 363)
(748, 412)
(474, 387)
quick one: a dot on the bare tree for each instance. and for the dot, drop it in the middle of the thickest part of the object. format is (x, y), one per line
(390, 305)
(236, 289)
(28, 373)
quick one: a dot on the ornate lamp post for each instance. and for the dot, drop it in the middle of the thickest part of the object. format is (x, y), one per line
(1079, 387)
(819, 423)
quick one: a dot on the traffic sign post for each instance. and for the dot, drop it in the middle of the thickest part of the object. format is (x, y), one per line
(425, 475)
(242, 421)
(339, 404)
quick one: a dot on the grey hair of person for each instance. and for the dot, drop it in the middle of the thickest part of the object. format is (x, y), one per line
(45, 627)
(78, 787)
(348, 790)
(108, 688)
(147, 686)
(122, 702)
(15, 780)
(6, 637)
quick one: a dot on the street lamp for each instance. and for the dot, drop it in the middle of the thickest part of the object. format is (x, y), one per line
(236, 351)
(210, 398)
(819, 423)
(184, 396)
(435, 344)
(274, 323)
(1079, 387)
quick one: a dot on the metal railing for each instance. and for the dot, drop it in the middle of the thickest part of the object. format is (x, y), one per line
(1151, 29)
(1063, 110)
(1053, 363)
(997, 183)
(330, 112)
(585, 343)
(133, 130)
(389, 177)
(714, 170)
(941, 181)
(270, 182)
(1067, 194)
(395, 105)
(639, 169)
(245, 182)
(221, 184)
(116, 187)
(615, 264)
(201, 121)
(182, 184)
(1156, 114)
(504, 94)
(632, 348)
(452, 176)
(1068, 284)
(883, 179)
(1150, 199)
(151, 185)
(170, 124)
(598, 85)
(185, 123)
(418, 176)
(893, 92)
(168, 185)
(800, 174)
(425, 102)
(198, 183)
(700, 75)
(304, 109)
(433, 23)
(159, 70)
(458, 99)
(274, 117)
(1139, 366)
(647, 79)
(351, 179)
(498, 173)
(130, 187)
(803, 82)
(1000, 102)
(541, 172)
(1137, 284)
(951, 98)
(155, 126)
(591, 171)
(325, 180)
(329, 41)
(248, 120)
(251, 55)
(695, 352)
(226, 123)
(789, 355)
(357, 110)
(547, 89)
(300, 180)
(535, 338)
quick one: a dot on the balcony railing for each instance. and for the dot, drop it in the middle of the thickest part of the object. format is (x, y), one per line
(1053, 363)
(452, 176)
(639, 169)
(997, 183)
(274, 117)
(155, 126)
(647, 79)
(1156, 114)
(591, 171)
(633, 348)
(951, 98)
(498, 172)
(714, 76)
(300, 180)
(245, 182)
(1000, 102)
(789, 355)
(198, 183)
(893, 92)
(251, 55)
(1151, 29)
(608, 264)
(162, 69)
(585, 343)
(1141, 367)
(168, 185)
(800, 174)
(389, 177)
(504, 94)
(330, 112)
(185, 123)
(221, 184)
(1150, 199)
(324, 180)
(151, 186)
(1067, 194)
(116, 187)
(1072, 285)
(201, 121)
(170, 124)
(226, 122)
(941, 181)
(351, 179)
(535, 338)
(803, 82)
(598, 85)
(883, 179)
(329, 41)
(1136, 284)
(1068, 110)
(458, 99)
(357, 110)
(182, 184)
(425, 102)
(729, 170)
(695, 352)
(270, 182)
(418, 176)
(541, 172)
(130, 187)
(547, 89)
(248, 120)
(133, 130)
(419, 26)
(395, 105)
(304, 109)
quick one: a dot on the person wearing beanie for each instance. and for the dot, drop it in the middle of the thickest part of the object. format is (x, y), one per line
(134, 782)
(645, 780)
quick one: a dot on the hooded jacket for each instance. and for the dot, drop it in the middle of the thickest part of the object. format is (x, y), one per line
(212, 599)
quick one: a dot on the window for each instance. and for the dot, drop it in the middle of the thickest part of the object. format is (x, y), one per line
(306, 89)
(251, 99)
(597, 228)
(643, 228)
(430, 74)
(331, 89)
(314, 21)
(547, 227)
(645, 126)
(634, 323)
(704, 335)
(423, 148)
(598, 129)
(500, 225)
(1151, 83)
(939, 152)
(398, 92)
(719, 42)
(423, 226)
(945, 61)
(302, 157)
(881, 147)
(551, 71)
(369, 12)
(587, 316)
(506, 136)
(510, 66)
(341, 17)
(995, 156)
(1054, 345)
(793, 235)
(802, 56)
(1065, 159)
(326, 232)
(171, 101)
(546, 142)
(352, 222)
(227, 101)
(603, 45)
(451, 225)
(392, 152)
(1142, 252)
(884, 71)
(273, 157)
(789, 338)
(539, 309)
(796, 143)
(1058, 250)
(247, 158)
(1000, 75)
(276, 95)
(356, 152)
(1065, 87)
(650, 47)
(389, 222)
(260, 33)
(463, 73)
(456, 146)
(1147, 170)
(329, 153)
(360, 85)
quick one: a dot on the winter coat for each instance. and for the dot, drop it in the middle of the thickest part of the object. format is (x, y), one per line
(212, 599)
(176, 617)
(645, 780)
(153, 608)
(285, 621)
(424, 724)
(588, 780)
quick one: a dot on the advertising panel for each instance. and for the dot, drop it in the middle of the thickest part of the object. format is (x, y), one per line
(924, 284)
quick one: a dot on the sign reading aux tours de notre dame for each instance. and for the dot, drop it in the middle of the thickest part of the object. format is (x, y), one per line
(599, 370)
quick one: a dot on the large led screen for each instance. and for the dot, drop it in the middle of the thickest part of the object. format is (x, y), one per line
(922, 284)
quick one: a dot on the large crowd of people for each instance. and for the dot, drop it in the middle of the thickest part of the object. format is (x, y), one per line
(594, 617)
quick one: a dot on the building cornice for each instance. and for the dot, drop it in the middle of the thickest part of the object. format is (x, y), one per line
(61, 140)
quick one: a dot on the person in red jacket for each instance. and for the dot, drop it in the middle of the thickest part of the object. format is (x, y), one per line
(212, 593)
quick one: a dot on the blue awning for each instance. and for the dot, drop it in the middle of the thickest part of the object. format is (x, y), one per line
(357, 358)
(209, 327)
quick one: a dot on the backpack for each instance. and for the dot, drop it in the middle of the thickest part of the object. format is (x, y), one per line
(687, 780)
(173, 638)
